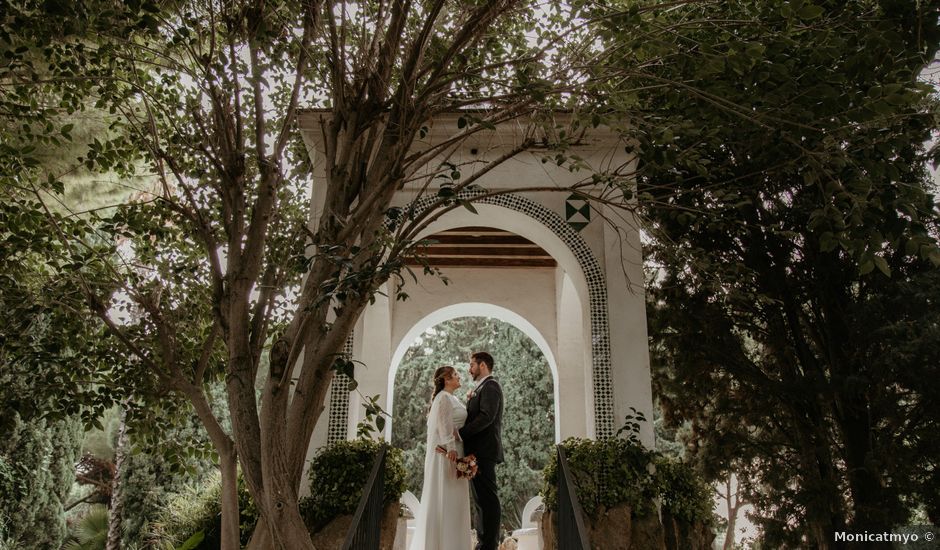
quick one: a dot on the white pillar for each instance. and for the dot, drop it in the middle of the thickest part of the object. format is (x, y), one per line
(372, 351)
(574, 399)
(626, 309)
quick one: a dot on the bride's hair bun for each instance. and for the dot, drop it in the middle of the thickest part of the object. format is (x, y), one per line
(439, 375)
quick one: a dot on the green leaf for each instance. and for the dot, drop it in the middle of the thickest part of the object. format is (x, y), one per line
(810, 11)
(193, 542)
(882, 265)
(934, 257)
(827, 242)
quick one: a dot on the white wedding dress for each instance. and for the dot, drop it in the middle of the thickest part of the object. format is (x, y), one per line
(443, 519)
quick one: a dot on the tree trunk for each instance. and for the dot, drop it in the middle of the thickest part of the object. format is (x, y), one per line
(261, 538)
(733, 508)
(281, 526)
(825, 512)
(285, 525)
(291, 533)
(116, 510)
(868, 498)
(729, 533)
(830, 515)
(228, 464)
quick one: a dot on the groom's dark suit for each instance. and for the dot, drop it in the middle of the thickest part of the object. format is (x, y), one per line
(482, 436)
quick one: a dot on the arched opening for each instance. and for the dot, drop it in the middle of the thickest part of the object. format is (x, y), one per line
(472, 309)
(579, 271)
(523, 369)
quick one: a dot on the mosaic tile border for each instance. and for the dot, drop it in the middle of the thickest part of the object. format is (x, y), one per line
(597, 291)
(339, 402)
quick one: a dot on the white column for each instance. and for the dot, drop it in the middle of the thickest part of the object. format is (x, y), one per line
(372, 351)
(573, 402)
(626, 309)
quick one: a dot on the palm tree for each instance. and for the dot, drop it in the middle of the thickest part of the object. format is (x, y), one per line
(91, 533)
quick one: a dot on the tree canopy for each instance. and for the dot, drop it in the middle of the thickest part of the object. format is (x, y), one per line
(793, 255)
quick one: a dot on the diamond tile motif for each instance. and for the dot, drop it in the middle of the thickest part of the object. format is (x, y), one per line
(577, 212)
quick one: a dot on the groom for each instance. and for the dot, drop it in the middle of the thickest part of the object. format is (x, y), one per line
(482, 436)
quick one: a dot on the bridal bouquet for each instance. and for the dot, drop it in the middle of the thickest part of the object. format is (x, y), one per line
(466, 466)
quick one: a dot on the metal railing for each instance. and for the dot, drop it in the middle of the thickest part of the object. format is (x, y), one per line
(572, 534)
(366, 527)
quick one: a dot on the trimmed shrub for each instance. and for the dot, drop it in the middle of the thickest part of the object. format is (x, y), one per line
(7, 487)
(615, 472)
(683, 493)
(606, 473)
(338, 474)
(40, 456)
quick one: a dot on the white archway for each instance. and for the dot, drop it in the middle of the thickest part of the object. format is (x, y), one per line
(524, 225)
(597, 333)
(471, 309)
(542, 226)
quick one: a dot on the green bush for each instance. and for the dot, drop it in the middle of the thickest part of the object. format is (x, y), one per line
(338, 474)
(606, 473)
(7, 487)
(683, 493)
(7, 477)
(38, 469)
(617, 471)
(198, 508)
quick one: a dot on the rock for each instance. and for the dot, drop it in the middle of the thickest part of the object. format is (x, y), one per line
(682, 535)
(611, 529)
(547, 525)
(333, 535)
(619, 529)
(401, 535)
(648, 533)
(389, 525)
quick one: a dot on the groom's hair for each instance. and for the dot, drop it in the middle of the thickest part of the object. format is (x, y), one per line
(483, 357)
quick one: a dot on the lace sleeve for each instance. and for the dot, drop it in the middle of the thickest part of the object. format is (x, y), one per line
(444, 423)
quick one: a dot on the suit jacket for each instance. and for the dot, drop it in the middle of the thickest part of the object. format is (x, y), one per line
(482, 434)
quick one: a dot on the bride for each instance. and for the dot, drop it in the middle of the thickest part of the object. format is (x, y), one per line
(443, 519)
